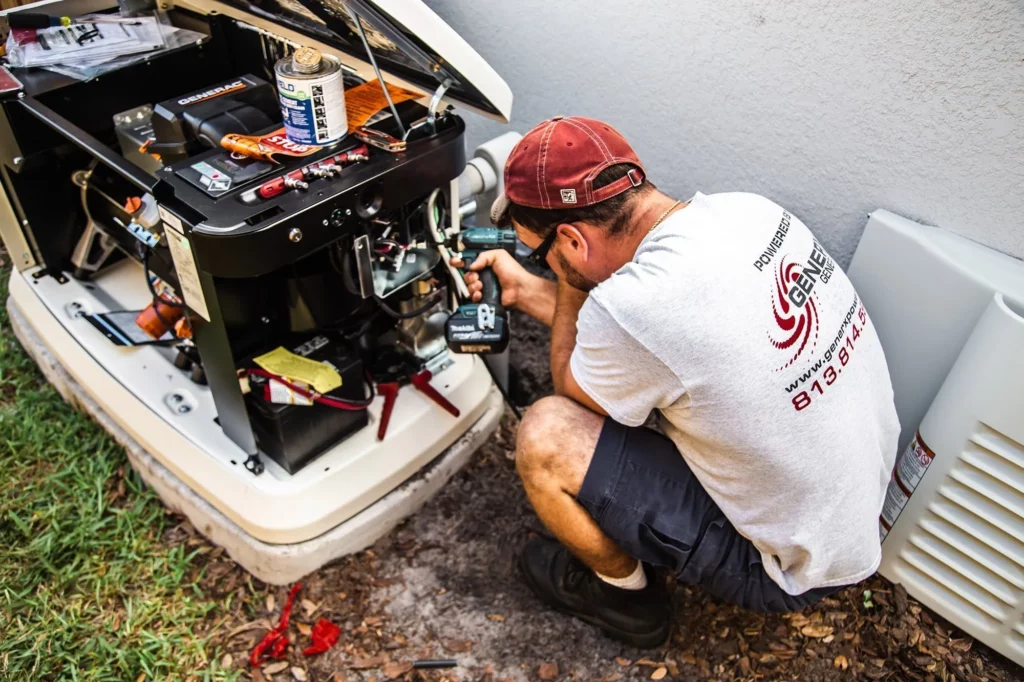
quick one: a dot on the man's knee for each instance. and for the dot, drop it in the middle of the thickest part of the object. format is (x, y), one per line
(537, 435)
(555, 441)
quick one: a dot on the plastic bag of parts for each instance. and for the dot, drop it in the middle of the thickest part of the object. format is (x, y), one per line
(85, 58)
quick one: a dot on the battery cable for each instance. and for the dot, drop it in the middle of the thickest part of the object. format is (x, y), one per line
(313, 395)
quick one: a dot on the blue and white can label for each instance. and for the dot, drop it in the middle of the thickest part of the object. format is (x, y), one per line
(312, 105)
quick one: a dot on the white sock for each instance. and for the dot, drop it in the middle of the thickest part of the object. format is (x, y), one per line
(637, 580)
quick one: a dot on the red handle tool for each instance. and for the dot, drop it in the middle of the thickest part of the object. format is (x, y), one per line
(421, 380)
(390, 392)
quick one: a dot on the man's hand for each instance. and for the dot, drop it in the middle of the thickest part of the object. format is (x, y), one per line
(512, 276)
(534, 295)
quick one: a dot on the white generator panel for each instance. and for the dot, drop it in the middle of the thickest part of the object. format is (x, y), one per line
(950, 316)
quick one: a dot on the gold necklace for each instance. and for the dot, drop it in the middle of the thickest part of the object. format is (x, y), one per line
(663, 216)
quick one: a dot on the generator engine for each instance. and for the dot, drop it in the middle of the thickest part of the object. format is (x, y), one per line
(376, 288)
(239, 247)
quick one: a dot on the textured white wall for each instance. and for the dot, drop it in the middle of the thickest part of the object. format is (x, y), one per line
(830, 108)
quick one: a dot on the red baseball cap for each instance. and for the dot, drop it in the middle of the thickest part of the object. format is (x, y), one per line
(555, 164)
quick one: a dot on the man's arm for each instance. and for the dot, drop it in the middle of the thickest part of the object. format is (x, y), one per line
(568, 301)
(538, 299)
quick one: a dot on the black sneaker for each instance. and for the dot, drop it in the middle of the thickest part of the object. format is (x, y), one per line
(640, 618)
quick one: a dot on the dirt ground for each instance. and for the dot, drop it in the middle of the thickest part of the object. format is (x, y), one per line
(444, 585)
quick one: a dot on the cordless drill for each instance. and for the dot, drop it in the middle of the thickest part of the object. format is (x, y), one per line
(481, 327)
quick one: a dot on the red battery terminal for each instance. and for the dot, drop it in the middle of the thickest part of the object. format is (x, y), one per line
(314, 172)
(271, 188)
(360, 153)
(299, 179)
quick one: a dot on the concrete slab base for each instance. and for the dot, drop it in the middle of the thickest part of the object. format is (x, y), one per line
(273, 564)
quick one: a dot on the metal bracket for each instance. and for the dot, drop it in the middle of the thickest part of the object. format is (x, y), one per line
(254, 465)
(431, 119)
(364, 265)
(39, 274)
(91, 252)
(435, 102)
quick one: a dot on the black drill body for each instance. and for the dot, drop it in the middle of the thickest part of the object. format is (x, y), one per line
(481, 327)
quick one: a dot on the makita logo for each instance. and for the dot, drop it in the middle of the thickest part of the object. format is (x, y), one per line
(463, 328)
(215, 92)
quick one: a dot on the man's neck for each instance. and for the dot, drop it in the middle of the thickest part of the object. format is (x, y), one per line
(651, 208)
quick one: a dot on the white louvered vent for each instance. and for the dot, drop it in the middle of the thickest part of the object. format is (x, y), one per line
(953, 519)
(966, 549)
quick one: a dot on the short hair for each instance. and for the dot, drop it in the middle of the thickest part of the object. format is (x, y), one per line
(613, 213)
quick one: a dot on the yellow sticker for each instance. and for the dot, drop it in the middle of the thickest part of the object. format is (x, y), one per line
(363, 101)
(283, 362)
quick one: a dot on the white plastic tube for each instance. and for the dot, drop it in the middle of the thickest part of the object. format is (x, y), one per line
(438, 238)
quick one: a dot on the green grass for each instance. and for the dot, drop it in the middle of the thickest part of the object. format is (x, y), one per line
(87, 589)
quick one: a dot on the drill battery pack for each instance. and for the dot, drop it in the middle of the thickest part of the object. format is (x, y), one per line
(481, 327)
(475, 328)
(294, 435)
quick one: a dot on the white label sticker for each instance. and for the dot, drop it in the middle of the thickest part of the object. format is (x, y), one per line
(188, 274)
(171, 220)
(314, 344)
(283, 395)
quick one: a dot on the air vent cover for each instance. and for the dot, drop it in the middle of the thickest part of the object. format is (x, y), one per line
(958, 544)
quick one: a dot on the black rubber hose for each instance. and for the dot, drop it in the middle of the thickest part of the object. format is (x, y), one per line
(434, 298)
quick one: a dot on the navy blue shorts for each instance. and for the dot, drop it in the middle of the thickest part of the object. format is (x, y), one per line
(643, 495)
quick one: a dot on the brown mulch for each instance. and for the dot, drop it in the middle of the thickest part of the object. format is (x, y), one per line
(423, 595)
(444, 585)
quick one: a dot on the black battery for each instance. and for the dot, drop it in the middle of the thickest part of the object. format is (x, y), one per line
(294, 435)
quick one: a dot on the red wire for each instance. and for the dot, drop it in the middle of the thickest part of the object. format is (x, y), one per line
(316, 397)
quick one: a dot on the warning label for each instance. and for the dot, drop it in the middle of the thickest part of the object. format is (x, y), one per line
(212, 178)
(188, 274)
(910, 469)
(364, 101)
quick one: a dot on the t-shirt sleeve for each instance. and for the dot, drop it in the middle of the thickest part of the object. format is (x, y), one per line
(617, 370)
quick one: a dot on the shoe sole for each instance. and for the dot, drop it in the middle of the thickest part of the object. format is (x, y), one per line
(650, 640)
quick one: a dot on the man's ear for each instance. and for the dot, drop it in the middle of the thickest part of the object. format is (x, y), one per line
(573, 240)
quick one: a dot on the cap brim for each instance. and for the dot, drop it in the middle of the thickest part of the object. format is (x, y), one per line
(499, 208)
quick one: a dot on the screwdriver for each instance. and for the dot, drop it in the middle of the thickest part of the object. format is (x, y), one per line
(37, 20)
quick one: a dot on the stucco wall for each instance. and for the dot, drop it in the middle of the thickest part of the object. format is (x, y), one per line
(830, 108)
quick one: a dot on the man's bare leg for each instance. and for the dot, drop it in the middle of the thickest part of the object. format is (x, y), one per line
(554, 449)
(554, 446)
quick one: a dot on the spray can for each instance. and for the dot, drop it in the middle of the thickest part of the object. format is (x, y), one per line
(312, 97)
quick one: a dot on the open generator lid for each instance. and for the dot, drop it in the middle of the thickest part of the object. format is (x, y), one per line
(409, 41)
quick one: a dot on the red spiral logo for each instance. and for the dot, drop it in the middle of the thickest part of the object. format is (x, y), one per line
(795, 323)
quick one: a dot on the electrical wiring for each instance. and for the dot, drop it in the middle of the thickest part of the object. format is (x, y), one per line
(149, 283)
(389, 243)
(157, 298)
(432, 223)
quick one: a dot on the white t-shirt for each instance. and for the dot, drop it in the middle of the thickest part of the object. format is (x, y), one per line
(737, 325)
